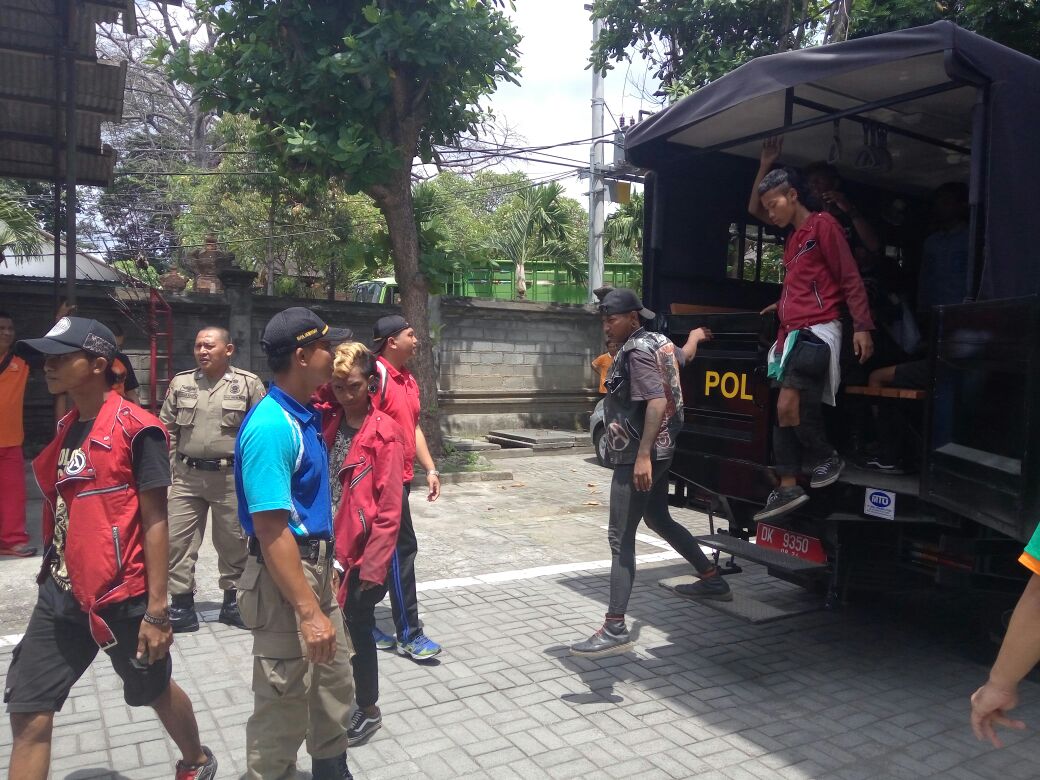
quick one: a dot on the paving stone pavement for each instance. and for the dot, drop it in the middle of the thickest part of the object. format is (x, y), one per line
(863, 692)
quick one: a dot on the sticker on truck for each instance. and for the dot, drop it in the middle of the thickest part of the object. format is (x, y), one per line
(879, 503)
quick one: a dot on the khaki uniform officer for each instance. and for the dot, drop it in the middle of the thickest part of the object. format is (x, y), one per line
(203, 411)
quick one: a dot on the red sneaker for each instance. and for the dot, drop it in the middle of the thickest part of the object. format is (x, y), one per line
(206, 771)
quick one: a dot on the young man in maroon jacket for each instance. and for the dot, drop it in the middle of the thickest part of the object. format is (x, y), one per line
(820, 276)
(103, 579)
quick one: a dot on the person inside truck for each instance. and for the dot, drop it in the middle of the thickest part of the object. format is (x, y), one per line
(820, 277)
(942, 281)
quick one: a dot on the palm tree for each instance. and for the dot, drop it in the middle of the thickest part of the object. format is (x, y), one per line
(18, 230)
(538, 226)
(624, 228)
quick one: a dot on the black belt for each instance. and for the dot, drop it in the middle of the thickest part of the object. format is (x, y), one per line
(310, 549)
(201, 464)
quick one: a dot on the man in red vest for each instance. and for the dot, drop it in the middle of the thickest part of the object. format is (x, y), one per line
(104, 576)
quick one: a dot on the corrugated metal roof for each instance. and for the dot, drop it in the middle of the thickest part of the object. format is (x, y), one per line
(32, 93)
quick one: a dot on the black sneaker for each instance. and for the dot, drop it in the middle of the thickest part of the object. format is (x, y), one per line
(827, 473)
(182, 614)
(229, 614)
(781, 501)
(334, 768)
(713, 588)
(884, 466)
(362, 727)
(603, 643)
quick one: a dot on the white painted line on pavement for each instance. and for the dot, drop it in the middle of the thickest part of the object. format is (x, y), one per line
(658, 542)
(495, 578)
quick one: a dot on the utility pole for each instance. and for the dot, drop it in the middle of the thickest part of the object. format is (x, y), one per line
(597, 194)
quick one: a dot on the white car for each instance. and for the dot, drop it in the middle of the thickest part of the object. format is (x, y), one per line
(598, 428)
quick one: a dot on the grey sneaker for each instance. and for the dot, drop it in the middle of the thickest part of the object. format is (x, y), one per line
(781, 501)
(713, 588)
(362, 726)
(827, 473)
(603, 643)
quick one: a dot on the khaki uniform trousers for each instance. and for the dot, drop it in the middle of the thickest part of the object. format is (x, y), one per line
(194, 495)
(293, 699)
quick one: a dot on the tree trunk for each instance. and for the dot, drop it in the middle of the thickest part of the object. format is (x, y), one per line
(395, 201)
(521, 281)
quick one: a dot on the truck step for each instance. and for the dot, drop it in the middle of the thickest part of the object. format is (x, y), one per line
(753, 610)
(752, 552)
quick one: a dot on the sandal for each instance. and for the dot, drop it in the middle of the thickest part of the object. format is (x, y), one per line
(24, 551)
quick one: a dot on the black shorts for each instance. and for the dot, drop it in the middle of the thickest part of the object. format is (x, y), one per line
(57, 649)
(807, 366)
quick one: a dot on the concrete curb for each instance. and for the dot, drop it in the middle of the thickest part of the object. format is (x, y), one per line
(526, 452)
(459, 477)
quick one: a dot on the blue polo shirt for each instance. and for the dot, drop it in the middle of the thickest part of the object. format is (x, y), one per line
(281, 463)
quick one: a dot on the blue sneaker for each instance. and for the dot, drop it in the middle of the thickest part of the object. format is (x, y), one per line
(383, 641)
(421, 647)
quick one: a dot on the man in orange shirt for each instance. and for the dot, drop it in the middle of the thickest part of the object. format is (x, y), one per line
(14, 372)
(603, 363)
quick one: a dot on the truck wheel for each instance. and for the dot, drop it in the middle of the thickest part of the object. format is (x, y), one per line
(600, 443)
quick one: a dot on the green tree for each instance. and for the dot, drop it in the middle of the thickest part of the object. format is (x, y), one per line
(691, 44)
(623, 229)
(19, 233)
(356, 90)
(1014, 23)
(537, 224)
(311, 229)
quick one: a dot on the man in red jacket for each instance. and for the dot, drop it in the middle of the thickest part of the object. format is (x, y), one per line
(367, 463)
(103, 579)
(820, 277)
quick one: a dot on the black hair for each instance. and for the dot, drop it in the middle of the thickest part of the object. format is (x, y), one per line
(822, 166)
(957, 189)
(5, 316)
(366, 361)
(225, 334)
(280, 362)
(788, 179)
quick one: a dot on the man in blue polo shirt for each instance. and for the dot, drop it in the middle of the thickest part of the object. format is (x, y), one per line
(302, 681)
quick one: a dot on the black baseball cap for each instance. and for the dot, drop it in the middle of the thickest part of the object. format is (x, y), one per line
(599, 292)
(297, 327)
(385, 327)
(71, 334)
(622, 301)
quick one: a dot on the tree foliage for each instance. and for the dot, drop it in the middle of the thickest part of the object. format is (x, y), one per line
(356, 90)
(623, 230)
(538, 225)
(691, 44)
(319, 234)
(19, 234)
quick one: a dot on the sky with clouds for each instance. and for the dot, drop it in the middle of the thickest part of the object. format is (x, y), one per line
(553, 102)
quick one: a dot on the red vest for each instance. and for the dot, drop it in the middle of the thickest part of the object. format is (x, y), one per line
(104, 546)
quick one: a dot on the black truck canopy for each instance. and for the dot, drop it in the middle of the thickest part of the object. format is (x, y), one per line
(955, 106)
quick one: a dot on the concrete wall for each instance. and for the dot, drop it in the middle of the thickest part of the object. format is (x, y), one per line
(501, 364)
(512, 365)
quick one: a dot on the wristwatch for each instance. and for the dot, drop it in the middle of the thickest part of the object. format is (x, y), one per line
(433, 473)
